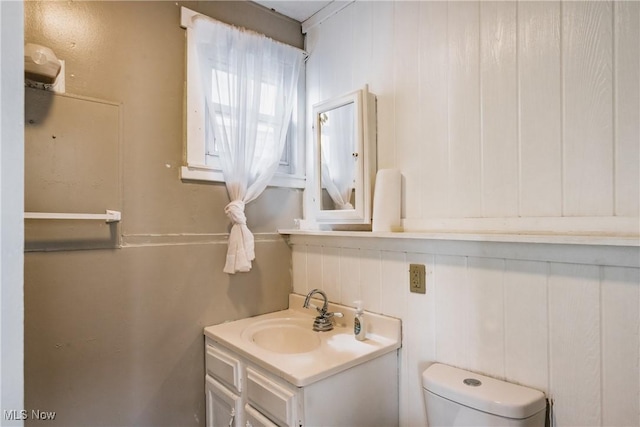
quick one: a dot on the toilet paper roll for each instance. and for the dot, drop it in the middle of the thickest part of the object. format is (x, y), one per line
(386, 201)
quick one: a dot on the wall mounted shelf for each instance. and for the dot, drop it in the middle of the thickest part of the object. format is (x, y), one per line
(559, 239)
(621, 251)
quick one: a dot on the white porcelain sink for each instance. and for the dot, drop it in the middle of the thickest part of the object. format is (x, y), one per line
(287, 335)
(284, 342)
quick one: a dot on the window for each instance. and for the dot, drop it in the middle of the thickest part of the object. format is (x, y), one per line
(202, 158)
(266, 132)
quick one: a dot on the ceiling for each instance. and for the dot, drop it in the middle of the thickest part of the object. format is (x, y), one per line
(300, 10)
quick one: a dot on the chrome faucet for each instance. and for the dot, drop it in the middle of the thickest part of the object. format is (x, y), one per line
(322, 322)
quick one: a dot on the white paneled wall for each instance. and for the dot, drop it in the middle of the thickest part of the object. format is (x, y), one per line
(540, 109)
(570, 330)
(513, 114)
(495, 109)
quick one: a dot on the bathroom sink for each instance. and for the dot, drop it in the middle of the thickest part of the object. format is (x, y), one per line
(286, 335)
(285, 344)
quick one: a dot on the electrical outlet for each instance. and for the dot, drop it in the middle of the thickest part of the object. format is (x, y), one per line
(417, 278)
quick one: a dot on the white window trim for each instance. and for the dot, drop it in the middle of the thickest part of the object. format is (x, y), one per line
(196, 168)
(207, 173)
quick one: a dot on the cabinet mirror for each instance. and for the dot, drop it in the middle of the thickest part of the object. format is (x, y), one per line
(344, 158)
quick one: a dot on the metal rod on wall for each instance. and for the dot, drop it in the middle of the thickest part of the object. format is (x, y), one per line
(109, 216)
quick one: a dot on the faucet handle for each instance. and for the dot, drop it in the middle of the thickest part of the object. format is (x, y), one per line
(310, 305)
(329, 315)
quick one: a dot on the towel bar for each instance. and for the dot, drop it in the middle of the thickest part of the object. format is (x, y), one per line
(109, 216)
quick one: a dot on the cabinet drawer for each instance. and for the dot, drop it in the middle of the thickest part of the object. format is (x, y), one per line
(255, 418)
(275, 400)
(224, 367)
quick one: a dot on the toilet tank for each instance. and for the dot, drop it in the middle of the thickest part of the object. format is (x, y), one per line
(455, 397)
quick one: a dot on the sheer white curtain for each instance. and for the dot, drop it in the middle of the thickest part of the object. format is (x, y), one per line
(249, 83)
(337, 147)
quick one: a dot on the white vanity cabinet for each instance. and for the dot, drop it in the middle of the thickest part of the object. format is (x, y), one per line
(242, 394)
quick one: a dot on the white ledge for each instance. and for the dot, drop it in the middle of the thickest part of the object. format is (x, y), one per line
(205, 173)
(620, 251)
(556, 239)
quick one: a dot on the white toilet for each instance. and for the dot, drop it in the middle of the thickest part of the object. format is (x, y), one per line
(455, 397)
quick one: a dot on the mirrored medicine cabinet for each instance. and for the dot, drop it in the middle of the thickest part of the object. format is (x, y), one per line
(344, 158)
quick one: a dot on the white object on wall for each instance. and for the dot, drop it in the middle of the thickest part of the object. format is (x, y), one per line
(40, 63)
(386, 201)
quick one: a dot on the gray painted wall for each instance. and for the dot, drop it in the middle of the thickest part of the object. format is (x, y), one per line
(114, 336)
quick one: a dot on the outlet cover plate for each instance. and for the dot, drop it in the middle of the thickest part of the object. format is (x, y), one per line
(417, 278)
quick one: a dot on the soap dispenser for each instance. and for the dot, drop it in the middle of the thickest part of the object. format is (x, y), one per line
(359, 329)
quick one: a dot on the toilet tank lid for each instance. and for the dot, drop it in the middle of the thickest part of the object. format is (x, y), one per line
(491, 395)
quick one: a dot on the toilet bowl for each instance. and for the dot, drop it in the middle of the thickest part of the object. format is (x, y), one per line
(455, 397)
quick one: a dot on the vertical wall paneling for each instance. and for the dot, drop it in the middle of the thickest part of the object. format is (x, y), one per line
(539, 112)
(496, 109)
(319, 48)
(341, 74)
(620, 345)
(499, 109)
(627, 107)
(312, 72)
(526, 328)
(313, 94)
(395, 275)
(349, 275)
(407, 110)
(418, 329)
(588, 109)
(381, 79)
(485, 316)
(314, 267)
(433, 132)
(451, 296)
(574, 315)
(331, 272)
(362, 33)
(370, 279)
(299, 269)
(336, 64)
(464, 110)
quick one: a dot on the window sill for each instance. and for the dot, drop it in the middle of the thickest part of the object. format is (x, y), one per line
(202, 173)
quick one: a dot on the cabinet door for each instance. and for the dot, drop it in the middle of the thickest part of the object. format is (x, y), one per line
(255, 418)
(223, 406)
